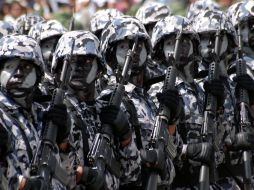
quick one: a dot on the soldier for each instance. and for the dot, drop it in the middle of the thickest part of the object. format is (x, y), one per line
(116, 40)
(47, 34)
(242, 14)
(21, 70)
(86, 64)
(24, 23)
(100, 19)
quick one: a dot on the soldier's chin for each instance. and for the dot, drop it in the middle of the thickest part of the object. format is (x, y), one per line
(18, 94)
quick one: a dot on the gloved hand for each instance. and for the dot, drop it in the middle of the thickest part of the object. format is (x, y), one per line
(156, 160)
(59, 117)
(5, 142)
(201, 152)
(92, 179)
(216, 88)
(35, 183)
(115, 117)
(247, 83)
(242, 141)
(170, 98)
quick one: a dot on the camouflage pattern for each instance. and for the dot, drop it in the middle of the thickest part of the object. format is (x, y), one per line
(21, 46)
(100, 19)
(241, 12)
(121, 28)
(25, 22)
(152, 12)
(84, 117)
(197, 6)
(6, 28)
(209, 21)
(86, 43)
(26, 129)
(47, 29)
(146, 113)
(171, 25)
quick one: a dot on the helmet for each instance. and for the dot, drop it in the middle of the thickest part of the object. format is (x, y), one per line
(100, 19)
(23, 47)
(124, 27)
(171, 25)
(47, 29)
(86, 43)
(200, 5)
(152, 12)
(209, 21)
(6, 28)
(25, 22)
(241, 12)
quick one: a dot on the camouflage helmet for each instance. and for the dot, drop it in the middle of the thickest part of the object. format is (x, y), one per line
(152, 12)
(124, 27)
(86, 43)
(23, 47)
(171, 25)
(25, 22)
(241, 12)
(47, 29)
(209, 21)
(200, 5)
(101, 17)
(6, 28)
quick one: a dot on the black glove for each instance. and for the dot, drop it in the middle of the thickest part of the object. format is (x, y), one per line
(201, 152)
(170, 98)
(242, 141)
(92, 179)
(35, 183)
(216, 88)
(157, 160)
(59, 117)
(5, 142)
(247, 83)
(115, 117)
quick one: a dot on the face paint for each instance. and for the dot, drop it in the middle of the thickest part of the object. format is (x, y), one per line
(18, 77)
(84, 71)
(47, 49)
(122, 50)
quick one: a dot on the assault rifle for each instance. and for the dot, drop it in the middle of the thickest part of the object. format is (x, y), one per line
(101, 154)
(244, 121)
(207, 173)
(160, 138)
(45, 164)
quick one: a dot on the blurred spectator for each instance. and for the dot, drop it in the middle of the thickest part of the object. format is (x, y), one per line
(5, 10)
(17, 8)
(82, 14)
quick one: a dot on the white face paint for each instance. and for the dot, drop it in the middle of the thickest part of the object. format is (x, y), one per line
(47, 49)
(224, 44)
(186, 47)
(122, 50)
(93, 72)
(18, 74)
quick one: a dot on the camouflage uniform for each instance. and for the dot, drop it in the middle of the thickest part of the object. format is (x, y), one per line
(136, 98)
(25, 127)
(6, 28)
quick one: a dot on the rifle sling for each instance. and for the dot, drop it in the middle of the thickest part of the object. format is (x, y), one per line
(134, 120)
(18, 124)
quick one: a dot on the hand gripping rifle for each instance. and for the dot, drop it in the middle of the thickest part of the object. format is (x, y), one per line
(101, 154)
(45, 164)
(160, 138)
(207, 173)
(243, 103)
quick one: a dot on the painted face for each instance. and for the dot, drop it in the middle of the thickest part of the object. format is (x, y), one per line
(186, 48)
(247, 31)
(122, 49)
(18, 77)
(207, 44)
(84, 71)
(47, 49)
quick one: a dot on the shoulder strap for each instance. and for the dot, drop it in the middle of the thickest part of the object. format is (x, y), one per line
(134, 120)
